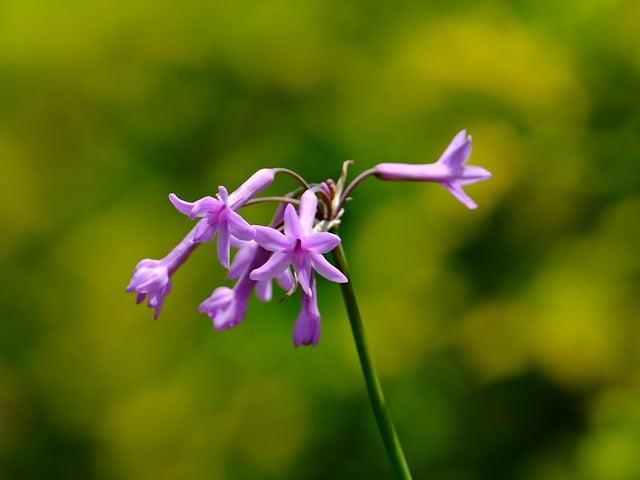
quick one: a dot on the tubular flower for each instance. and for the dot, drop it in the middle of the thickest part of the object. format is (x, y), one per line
(151, 279)
(220, 214)
(450, 170)
(299, 246)
(227, 307)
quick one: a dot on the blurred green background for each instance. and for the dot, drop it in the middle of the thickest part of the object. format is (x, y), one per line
(507, 338)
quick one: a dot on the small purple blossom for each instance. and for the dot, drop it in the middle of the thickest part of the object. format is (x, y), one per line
(307, 328)
(220, 214)
(450, 170)
(151, 279)
(299, 246)
(227, 307)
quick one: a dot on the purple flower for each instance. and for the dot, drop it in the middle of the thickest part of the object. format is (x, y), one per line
(151, 279)
(307, 328)
(220, 214)
(227, 307)
(298, 246)
(241, 263)
(450, 170)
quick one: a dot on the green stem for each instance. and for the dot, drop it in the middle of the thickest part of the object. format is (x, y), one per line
(376, 396)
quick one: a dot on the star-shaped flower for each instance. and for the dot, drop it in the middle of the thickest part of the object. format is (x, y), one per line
(450, 170)
(220, 213)
(299, 246)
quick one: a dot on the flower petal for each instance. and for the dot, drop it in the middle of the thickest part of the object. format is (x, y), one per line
(182, 206)
(285, 280)
(473, 174)
(155, 300)
(239, 227)
(302, 265)
(263, 290)
(458, 140)
(307, 210)
(200, 208)
(458, 151)
(328, 271)
(321, 242)
(292, 226)
(271, 239)
(223, 195)
(204, 231)
(272, 267)
(241, 262)
(456, 190)
(239, 244)
(223, 245)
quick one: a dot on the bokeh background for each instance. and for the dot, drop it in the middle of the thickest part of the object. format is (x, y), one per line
(507, 338)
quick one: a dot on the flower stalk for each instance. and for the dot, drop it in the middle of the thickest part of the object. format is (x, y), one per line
(376, 395)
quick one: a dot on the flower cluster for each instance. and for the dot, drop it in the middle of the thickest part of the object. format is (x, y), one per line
(291, 249)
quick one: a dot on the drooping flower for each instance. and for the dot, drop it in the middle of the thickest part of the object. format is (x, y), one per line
(299, 246)
(227, 307)
(307, 328)
(151, 278)
(220, 213)
(450, 170)
(241, 263)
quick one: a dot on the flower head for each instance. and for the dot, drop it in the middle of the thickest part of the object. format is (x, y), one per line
(450, 170)
(307, 328)
(220, 214)
(299, 246)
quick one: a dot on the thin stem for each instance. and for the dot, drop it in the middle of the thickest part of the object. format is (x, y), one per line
(376, 396)
(354, 183)
(315, 188)
(293, 174)
(257, 200)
